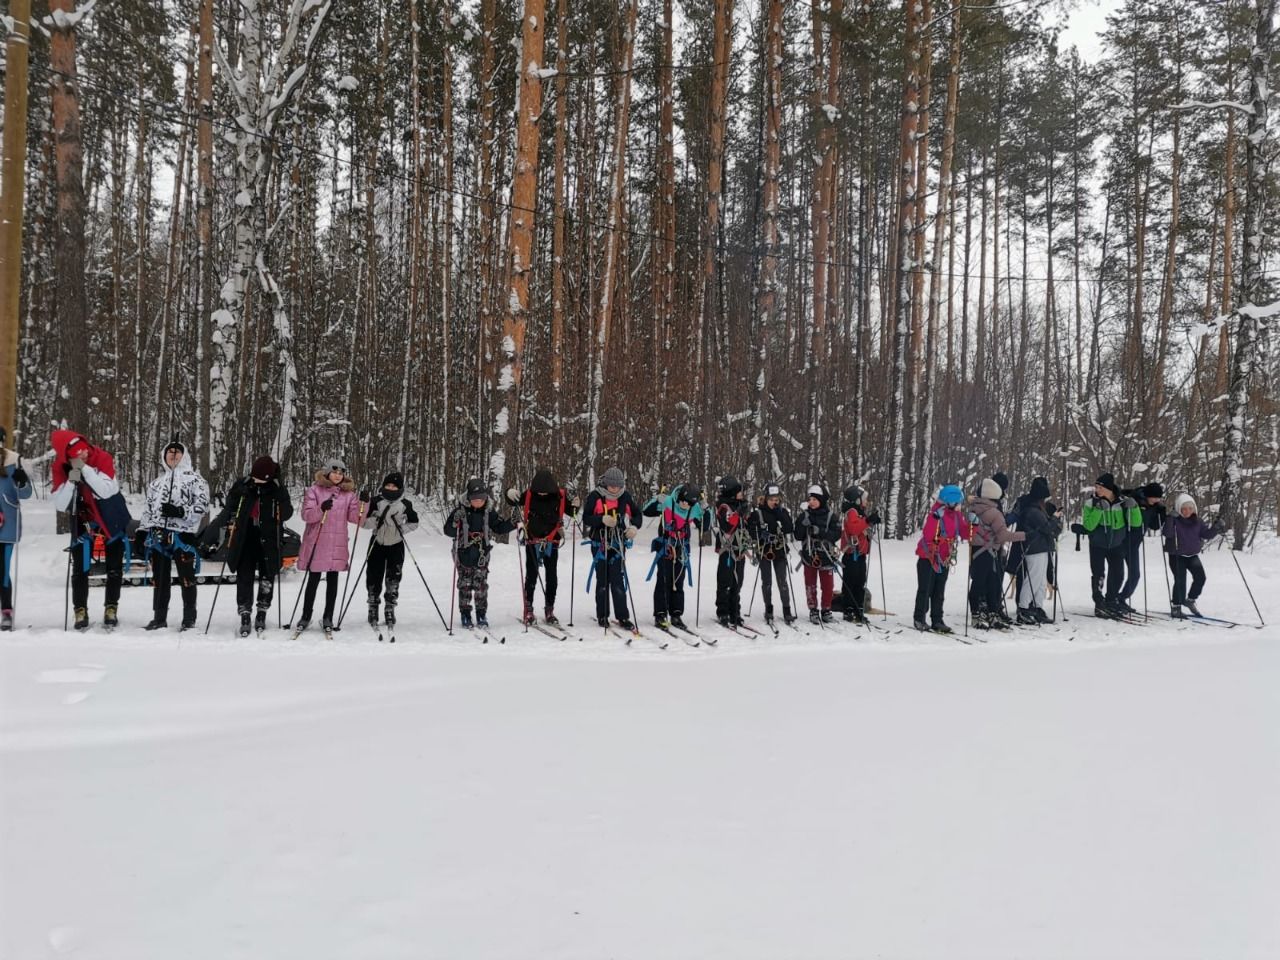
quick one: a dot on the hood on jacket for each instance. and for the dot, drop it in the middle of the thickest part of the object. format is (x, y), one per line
(1039, 489)
(951, 495)
(322, 480)
(544, 483)
(184, 465)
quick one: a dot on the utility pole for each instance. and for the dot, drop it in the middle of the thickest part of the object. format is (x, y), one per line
(12, 191)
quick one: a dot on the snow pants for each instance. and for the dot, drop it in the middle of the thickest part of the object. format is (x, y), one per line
(1107, 567)
(80, 561)
(668, 589)
(162, 565)
(769, 566)
(1032, 580)
(729, 576)
(473, 585)
(1133, 567)
(815, 578)
(6, 580)
(854, 590)
(254, 565)
(931, 589)
(1181, 566)
(385, 566)
(544, 556)
(611, 581)
(986, 582)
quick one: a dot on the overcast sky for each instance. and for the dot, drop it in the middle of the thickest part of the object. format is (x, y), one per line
(1082, 26)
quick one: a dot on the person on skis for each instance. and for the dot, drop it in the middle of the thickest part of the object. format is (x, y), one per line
(679, 512)
(392, 515)
(177, 501)
(472, 526)
(540, 512)
(611, 521)
(769, 528)
(818, 530)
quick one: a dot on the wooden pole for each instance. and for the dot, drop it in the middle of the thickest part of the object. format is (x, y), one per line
(12, 191)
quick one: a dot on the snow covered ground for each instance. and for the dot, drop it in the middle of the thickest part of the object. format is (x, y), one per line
(840, 794)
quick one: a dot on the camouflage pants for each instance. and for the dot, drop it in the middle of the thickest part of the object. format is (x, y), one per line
(473, 582)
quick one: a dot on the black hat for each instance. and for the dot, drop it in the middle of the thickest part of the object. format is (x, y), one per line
(174, 444)
(853, 495)
(394, 479)
(1003, 480)
(729, 486)
(1153, 490)
(476, 490)
(688, 493)
(772, 490)
(1108, 480)
(544, 482)
(1039, 488)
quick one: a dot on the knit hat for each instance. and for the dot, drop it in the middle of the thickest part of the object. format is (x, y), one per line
(476, 490)
(77, 446)
(1153, 490)
(1039, 488)
(333, 465)
(1003, 480)
(951, 495)
(613, 477)
(1183, 500)
(991, 489)
(544, 482)
(394, 479)
(264, 468)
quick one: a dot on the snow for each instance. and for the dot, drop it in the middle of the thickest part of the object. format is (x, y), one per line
(347, 83)
(66, 21)
(832, 112)
(832, 795)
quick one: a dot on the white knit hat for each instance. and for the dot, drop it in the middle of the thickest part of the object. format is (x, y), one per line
(990, 489)
(1185, 499)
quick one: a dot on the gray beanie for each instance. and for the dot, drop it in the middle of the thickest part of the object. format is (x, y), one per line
(333, 463)
(613, 477)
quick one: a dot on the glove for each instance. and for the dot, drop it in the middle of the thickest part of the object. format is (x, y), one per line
(1079, 530)
(171, 510)
(364, 495)
(327, 505)
(410, 515)
(78, 463)
(873, 518)
(513, 495)
(20, 477)
(631, 534)
(73, 474)
(1050, 508)
(610, 520)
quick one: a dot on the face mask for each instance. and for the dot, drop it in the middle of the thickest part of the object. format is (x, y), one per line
(391, 494)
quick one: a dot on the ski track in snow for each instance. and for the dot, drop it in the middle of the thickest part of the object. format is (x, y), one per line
(837, 793)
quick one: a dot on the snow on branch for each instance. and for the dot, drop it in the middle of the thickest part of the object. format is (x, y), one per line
(1213, 105)
(61, 20)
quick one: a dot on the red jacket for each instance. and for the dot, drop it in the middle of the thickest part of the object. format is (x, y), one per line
(99, 499)
(854, 538)
(943, 527)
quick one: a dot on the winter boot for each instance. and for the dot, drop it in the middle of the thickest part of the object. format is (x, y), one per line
(189, 618)
(482, 621)
(260, 620)
(1027, 618)
(6, 619)
(920, 625)
(549, 617)
(82, 618)
(245, 627)
(602, 621)
(1192, 608)
(158, 622)
(626, 624)
(389, 614)
(109, 618)
(465, 614)
(940, 627)
(1176, 612)
(826, 616)
(373, 614)
(815, 617)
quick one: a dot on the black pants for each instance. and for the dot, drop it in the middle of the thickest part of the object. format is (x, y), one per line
(610, 582)
(1133, 568)
(987, 582)
(80, 572)
(776, 564)
(729, 575)
(1107, 567)
(545, 556)
(330, 592)
(162, 566)
(6, 575)
(854, 591)
(668, 591)
(385, 566)
(1181, 566)
(254, 565)
(931, 588)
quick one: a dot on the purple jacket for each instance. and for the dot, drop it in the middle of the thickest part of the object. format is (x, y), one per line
(324, 542)
(1185, 536)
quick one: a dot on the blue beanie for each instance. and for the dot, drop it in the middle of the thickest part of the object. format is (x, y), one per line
(951, 495)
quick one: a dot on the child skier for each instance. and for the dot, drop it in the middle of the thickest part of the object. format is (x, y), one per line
(818, 530)
(944, 527)
(391, 516)
(176, 503)
(679, 512)
(15, 486)
(1107, 517)
(253, 516)
(1039, 521)
(542, 509)
(986, 563)
(769, 527)
(855, 547)
(731, 549)
(610, 519)
(472, 525)
(324, 544)
(1184, 537)
(1150, 501)
(84, 485)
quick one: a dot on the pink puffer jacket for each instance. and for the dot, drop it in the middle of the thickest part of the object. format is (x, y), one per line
(324, 542)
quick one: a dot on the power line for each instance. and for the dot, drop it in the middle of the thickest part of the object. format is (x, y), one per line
(190, 119)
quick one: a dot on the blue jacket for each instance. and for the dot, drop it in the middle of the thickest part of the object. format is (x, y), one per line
(10, 494)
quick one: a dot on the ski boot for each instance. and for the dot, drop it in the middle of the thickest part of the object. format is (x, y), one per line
(603, 621)
(662, 621)
(920, 625)
(465, 616)
(827, 616)
(528, 617)
(260, 620)
(1191, 606)
(482, 621)
(940, 627)
(188, 619)
(549, 618)
(389, 614)
(626, 624)
(159, 622)
(1040, 615)
(815, 617)
(109, 618)
(6, 620)
(1175, 611)
(1027, 618)
(787, 616)
(373, 614)
(326, 624)
(738, 621)
(245, 627)
(848, 616)
(678, 622)
(859, 617)
(1001, 620)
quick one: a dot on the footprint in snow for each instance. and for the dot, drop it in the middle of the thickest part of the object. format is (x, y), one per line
(81, 673)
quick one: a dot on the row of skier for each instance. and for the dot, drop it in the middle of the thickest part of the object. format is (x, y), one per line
(830, 542)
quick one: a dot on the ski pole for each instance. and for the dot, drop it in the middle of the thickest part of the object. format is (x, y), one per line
(968, 598)
(421, 577)
(1146, 610)
(235, 520)
(754, 583)
(697, 594)
(524, 619)
(573, 566)
(348, 597)
(306, 571)
(1240, 570)
(626, 581)
(351, 559)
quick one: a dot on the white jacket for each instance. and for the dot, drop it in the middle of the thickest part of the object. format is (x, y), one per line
(181, 486)
(387, 519)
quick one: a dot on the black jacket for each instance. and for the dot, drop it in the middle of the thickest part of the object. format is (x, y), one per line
(770, 528)
(472, 532)
(599, 503)
(1041, 529)
(254, 513)
(818, 532)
